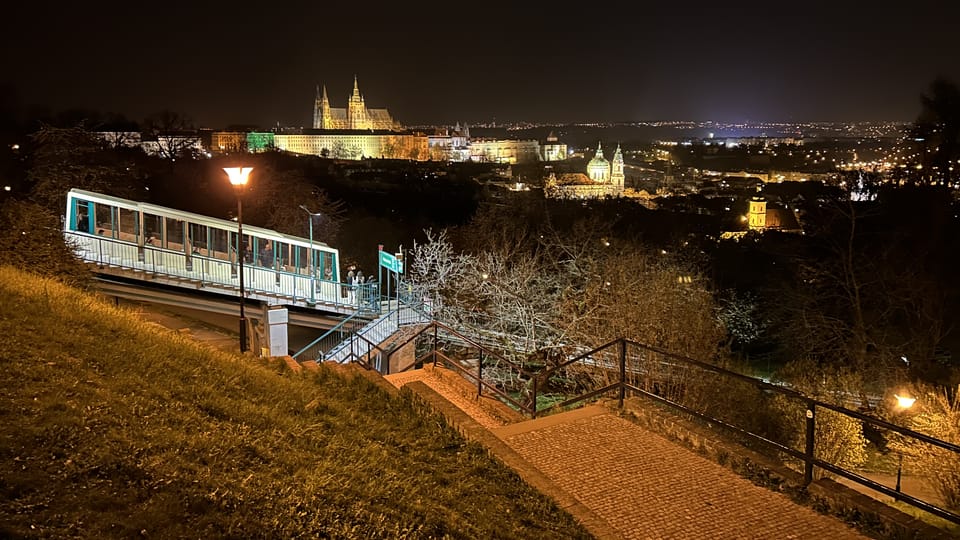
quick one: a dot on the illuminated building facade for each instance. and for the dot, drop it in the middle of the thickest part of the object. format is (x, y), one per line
(228, 141)
(504, 151)
(553, 149)
(450, 145)
(240, 141)
(355, 144)
(356, 115)
(757, 217)
(603, 179)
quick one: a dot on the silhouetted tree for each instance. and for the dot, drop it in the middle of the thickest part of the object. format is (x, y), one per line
(937, 131)
(65, 158)
(175, 134)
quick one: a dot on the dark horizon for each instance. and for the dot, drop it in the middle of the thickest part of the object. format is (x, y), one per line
(746, 63)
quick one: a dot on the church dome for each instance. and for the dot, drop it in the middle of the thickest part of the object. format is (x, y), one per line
(598, 169)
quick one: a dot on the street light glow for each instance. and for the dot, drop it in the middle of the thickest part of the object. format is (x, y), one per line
(904, 402)
(238, 175)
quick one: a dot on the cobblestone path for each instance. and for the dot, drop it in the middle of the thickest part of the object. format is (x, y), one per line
(641, 484)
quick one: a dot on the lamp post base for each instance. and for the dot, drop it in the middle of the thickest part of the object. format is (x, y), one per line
(899, 470)
(243, 334)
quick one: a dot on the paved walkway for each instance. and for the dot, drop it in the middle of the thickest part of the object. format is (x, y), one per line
(641, 484)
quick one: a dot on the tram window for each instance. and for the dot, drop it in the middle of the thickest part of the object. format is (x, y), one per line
(152, 229)
(128, 225)
(174, 239)
(105, 219)
(281, 251)
(329, 264)
(218, 244)
(266, 253)
(247, 247)
(301, 261)
(198, 239)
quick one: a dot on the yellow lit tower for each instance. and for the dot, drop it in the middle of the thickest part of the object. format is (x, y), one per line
(757, 219)
(356, 109)
(321, 110)
(616, 170)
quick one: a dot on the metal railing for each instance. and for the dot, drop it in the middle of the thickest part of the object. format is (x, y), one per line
(331, 338)
(223, 275)
(623, 367)
(356, 339)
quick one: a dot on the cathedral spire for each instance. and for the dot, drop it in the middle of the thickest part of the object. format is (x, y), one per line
(356, 87)
(324, 98)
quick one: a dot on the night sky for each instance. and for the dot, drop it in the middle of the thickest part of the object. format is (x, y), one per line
(431, 63)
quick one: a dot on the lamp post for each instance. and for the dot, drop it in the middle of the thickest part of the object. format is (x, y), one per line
(238, 177)
(904, 403)
(313, 270)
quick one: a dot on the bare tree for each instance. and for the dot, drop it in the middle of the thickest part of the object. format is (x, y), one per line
(275, 202)
(861, 301)
(175, 134)
(545, 299)
(66, 158)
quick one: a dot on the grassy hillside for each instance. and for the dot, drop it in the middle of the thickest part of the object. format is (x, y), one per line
(112, 427)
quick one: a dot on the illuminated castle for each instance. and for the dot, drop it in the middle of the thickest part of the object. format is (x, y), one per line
(355, 116)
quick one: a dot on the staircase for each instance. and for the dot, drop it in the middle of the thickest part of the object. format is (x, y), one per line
(369, 341)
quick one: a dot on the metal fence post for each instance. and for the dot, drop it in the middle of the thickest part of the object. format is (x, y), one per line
(534, 412)
(808, 453)
(434, 345)
(623, 370)
(480, 375)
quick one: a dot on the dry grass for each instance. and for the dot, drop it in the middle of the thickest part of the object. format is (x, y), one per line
(110, 427)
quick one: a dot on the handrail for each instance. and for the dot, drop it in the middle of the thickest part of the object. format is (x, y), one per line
(621, 384)
(215, 273)
(340, 330)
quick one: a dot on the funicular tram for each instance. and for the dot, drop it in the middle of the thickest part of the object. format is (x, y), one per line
(193, 250)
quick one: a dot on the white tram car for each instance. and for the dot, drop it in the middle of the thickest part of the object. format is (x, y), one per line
(126, 234)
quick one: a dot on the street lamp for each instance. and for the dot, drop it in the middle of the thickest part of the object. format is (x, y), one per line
(238, 177)
(313, 270)
(904, 403)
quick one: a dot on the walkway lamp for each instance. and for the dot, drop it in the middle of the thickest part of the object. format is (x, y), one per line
(313, 270)
(238, 177)
(903, 403)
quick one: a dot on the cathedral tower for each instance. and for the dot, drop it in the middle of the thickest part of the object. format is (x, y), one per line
(321, 111)
(616, 170)
(356, 109)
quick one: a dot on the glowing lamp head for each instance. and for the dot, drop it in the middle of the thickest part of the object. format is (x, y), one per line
(904, 402)
(238, 175)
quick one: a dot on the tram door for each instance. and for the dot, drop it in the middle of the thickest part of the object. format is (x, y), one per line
(82, 216)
